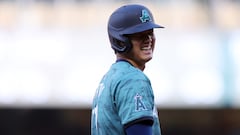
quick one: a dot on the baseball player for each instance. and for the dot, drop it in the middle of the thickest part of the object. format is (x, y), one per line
(124, 100)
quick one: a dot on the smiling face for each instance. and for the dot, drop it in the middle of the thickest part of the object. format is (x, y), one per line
(143, 44)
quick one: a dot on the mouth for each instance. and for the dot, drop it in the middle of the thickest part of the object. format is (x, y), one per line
(146, 48)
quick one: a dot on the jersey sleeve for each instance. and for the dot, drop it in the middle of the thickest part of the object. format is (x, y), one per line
(139, 129)
(134, 100)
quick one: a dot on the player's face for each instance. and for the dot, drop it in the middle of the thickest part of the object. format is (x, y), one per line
(143, 44)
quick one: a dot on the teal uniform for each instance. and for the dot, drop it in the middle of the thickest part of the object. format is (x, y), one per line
(124, 95)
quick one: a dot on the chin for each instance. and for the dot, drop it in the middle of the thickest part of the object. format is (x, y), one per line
(148, 59)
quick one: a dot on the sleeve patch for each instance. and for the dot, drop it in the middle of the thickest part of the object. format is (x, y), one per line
(139, 104)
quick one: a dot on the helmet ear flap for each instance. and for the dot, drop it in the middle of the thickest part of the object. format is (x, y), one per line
(128, 44)
(120, 46)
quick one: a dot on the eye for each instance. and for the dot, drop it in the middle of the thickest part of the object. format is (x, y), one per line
(151, 34)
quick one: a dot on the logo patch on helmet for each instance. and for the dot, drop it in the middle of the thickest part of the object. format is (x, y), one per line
(145, 16)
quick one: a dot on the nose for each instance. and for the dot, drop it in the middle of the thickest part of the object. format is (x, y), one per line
(150, 37)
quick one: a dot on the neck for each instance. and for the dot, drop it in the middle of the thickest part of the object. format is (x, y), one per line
(133, 63)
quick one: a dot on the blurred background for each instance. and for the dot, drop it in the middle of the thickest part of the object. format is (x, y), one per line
(53, 53)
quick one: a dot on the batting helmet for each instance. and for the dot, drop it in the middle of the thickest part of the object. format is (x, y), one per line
(128, 19)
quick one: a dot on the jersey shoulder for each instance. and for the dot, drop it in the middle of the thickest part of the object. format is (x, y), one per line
(124, 70)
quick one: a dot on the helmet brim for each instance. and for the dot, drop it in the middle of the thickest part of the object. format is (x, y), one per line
(140, 28)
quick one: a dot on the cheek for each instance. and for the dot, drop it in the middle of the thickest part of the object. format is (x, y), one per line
(135, 45)
(153, 39)
(153, 43)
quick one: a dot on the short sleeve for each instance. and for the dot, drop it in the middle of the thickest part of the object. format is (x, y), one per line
(134, 99)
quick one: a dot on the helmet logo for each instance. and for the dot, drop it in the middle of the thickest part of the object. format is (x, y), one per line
(145, 16)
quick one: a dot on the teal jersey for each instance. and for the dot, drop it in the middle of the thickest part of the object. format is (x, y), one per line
(124, 95)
